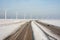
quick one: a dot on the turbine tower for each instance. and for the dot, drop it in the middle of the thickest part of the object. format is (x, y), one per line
(5, 13)
(16, 15)
(24, 15)
(31, 16)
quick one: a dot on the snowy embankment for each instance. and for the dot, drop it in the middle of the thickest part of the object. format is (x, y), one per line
(6, 30)
(8, 21)
(52, 35)
(38, 33)
(53, 22)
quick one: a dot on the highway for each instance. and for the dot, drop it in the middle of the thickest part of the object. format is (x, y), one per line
(35, 30)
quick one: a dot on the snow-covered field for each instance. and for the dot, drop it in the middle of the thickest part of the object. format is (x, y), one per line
(53, 22)
(7, 21)
(6, 30)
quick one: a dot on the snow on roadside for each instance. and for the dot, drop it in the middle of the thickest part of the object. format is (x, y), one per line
(3, 21)
(38, 34)
(9, 29)
(53, 22)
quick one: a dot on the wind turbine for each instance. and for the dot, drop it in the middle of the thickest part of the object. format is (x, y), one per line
(31, 16)
(16, 15)
(5, 13)
(6, 10)
(24, 15)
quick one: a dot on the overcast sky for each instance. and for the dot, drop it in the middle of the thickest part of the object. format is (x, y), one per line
(47, 9)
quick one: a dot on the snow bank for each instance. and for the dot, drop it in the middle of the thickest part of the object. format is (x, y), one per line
(8, 29)
(53, 22)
